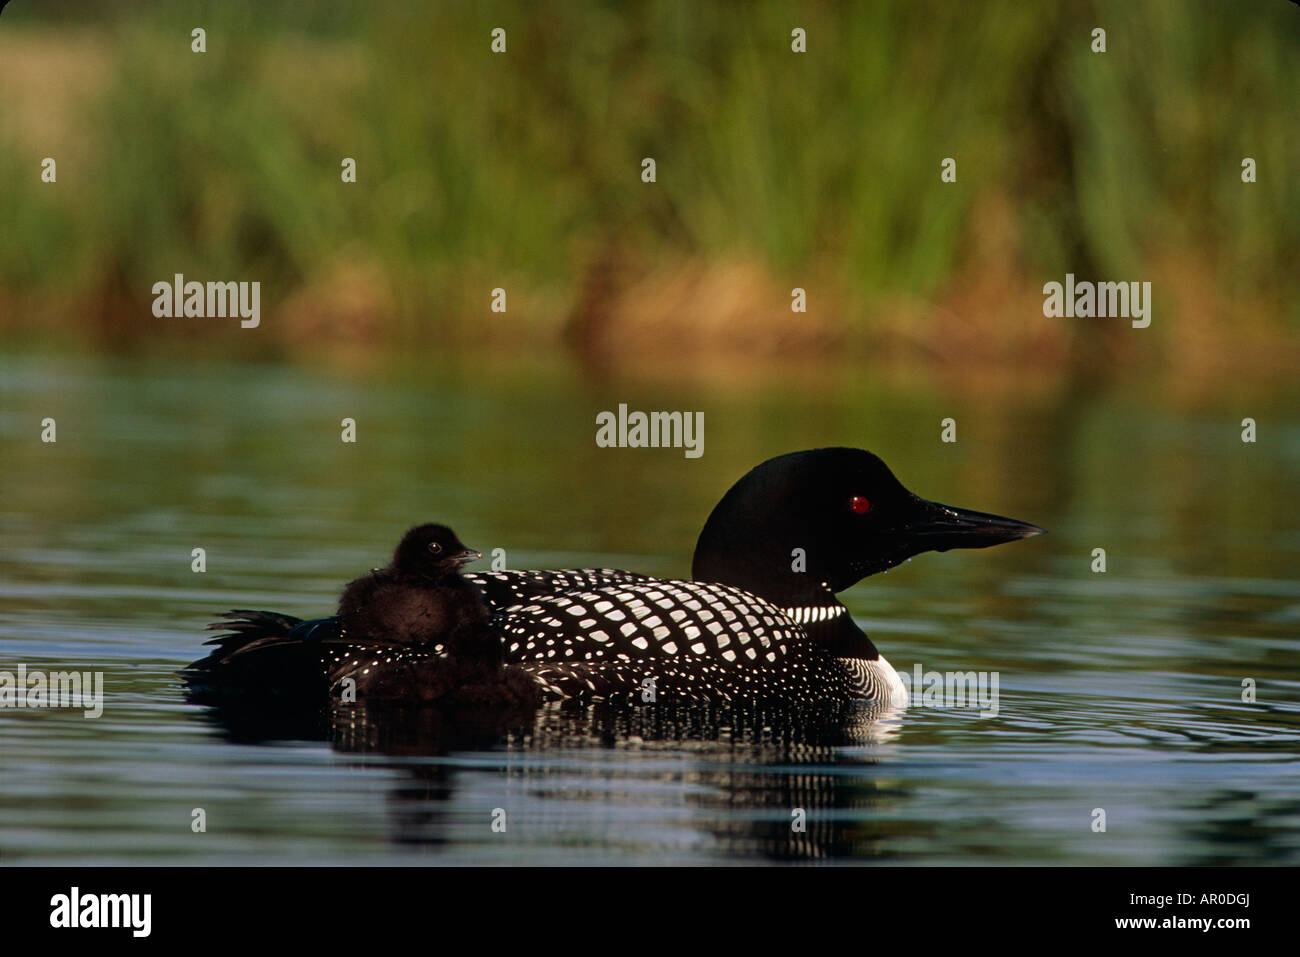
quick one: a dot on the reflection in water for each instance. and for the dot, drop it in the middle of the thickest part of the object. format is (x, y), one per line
(763, 782)
(1260, 826)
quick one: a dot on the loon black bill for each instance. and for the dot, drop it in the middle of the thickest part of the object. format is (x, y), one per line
(942, 527)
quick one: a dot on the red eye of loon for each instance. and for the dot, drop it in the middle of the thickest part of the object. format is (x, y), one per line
(860, 505)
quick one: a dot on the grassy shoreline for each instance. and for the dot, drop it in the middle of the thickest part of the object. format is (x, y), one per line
(776, 170)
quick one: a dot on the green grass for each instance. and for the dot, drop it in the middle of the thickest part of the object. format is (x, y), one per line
(479, 170)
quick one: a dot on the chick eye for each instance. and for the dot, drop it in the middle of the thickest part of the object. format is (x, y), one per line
(435, 547)
(859, 505)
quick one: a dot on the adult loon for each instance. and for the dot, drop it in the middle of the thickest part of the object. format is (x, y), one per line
(760, 621)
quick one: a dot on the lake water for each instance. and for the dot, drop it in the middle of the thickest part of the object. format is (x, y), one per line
(1120, 691)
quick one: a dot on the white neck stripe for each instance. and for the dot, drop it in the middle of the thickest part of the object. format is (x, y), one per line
(804, 614)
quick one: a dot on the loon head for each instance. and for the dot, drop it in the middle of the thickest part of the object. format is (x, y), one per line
(431, 551)
(821, 520)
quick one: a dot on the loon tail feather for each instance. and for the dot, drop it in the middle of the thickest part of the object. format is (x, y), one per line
(244, 623)
(248, 631)
(262, 652)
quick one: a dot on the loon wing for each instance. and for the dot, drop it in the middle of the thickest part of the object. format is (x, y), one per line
(503, 590)
(676, 638)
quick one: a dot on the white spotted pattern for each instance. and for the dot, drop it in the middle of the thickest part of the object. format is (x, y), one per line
(695, 640)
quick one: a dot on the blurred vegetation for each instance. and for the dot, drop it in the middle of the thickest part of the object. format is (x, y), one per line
(775, 170)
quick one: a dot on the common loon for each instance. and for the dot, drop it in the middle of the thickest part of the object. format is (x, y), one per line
(420, 597)
(760, 621)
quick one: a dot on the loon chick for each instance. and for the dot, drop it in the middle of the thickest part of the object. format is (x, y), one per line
(420, 597)
(413, 631)
(759, 623)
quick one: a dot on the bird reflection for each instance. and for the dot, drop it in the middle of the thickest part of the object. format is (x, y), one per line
(778, 784)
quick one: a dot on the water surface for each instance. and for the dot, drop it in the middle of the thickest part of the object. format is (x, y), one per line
(1120, 691)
